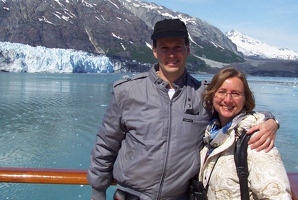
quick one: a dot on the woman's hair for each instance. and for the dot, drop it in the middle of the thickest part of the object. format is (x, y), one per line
(218, 80)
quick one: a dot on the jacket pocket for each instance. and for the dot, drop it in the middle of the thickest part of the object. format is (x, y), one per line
(192, 130)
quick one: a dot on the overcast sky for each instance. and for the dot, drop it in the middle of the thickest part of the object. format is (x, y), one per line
(274, 22)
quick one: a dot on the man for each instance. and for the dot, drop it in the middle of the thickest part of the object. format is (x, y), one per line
(152, 131)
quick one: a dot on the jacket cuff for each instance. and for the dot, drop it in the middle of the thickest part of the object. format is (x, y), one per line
(97, 194)
(269, 115)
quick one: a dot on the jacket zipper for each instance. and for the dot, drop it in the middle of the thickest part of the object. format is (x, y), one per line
(167, 154)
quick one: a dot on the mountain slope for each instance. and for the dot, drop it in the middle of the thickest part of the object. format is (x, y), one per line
(207, 40)
(253, 48)
(115, 28)
(119, 30)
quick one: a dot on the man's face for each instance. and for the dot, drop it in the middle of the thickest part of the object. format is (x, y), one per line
(171, 54)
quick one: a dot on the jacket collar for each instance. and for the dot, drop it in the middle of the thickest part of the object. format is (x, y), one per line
(179, 83)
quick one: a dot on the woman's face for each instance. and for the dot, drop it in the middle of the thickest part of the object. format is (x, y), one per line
(229, 99)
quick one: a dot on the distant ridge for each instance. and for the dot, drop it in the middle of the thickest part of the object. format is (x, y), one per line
(120, 30)
(257, 49)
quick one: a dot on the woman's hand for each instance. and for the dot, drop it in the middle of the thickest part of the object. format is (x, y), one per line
(265, 137)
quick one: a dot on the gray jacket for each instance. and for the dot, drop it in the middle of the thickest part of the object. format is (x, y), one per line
(148, 142)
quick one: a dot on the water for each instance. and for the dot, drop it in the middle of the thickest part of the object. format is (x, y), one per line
(50, 121)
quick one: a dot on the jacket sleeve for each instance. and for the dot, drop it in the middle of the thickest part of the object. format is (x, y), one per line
(267, 175)
(105, 150)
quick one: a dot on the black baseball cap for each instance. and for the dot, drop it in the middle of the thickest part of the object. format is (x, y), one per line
(169, 28)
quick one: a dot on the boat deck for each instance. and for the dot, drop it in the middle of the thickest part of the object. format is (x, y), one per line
(78, 177)
(293, 177)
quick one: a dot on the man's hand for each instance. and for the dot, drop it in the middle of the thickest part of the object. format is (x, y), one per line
(265, 138)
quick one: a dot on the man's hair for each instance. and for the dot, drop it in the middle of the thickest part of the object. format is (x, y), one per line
(186, 40)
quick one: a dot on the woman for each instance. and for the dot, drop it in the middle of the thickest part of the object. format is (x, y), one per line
(232, 102)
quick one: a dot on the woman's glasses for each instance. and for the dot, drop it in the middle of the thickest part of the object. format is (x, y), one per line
(223, 94)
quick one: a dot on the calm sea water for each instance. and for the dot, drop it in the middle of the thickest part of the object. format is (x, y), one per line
(50, 121)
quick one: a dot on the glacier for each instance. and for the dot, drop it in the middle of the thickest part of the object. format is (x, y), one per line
(15, 57)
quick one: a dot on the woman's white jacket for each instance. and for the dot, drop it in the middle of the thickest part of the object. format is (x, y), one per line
(267, 175)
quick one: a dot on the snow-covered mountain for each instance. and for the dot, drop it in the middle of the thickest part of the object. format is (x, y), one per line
(254, 48)
(96, 36)
(118, 29)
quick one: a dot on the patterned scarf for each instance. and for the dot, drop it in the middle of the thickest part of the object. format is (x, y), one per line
(215, 135)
